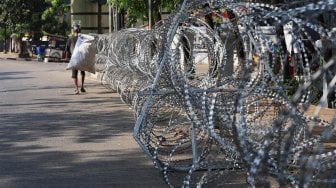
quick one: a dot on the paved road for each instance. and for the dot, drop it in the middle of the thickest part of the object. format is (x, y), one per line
(52, 138)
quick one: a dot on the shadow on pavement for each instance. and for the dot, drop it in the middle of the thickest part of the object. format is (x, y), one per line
(52, 138)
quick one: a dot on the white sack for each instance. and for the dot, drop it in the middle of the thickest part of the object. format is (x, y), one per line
(83, 56)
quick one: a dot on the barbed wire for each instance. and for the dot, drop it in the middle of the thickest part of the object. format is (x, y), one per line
(230, 97)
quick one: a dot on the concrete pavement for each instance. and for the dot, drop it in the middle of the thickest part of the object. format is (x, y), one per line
(52, 138)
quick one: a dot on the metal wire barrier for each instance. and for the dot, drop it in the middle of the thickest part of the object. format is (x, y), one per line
(228, 92)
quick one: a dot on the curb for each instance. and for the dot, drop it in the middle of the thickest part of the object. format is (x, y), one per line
(17, 59)
(30, 59)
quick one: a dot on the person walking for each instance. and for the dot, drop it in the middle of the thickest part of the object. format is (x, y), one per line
(71, 43)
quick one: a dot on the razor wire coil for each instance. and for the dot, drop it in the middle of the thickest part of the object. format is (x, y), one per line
(212, 100)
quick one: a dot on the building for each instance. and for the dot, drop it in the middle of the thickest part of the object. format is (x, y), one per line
(91, 15)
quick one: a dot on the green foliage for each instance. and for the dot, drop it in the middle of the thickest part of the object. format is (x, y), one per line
(53, 17)
(33, 16)
(12, 12)
(138, 9)
(21, 16)
(2, 34)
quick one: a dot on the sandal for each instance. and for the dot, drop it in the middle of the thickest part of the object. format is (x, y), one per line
(82, 90)
(76, 92)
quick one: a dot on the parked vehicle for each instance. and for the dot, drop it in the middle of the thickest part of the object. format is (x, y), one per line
(56, 49)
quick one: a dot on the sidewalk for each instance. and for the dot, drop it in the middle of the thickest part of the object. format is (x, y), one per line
(15, 56)
(8, 55)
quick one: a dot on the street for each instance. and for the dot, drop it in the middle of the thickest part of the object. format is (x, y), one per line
(50, 137)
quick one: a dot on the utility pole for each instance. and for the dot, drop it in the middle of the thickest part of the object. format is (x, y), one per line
(5, 25)
(150, 16)
(120, 19)
(111, 19)
(115, 19)
(5, 38)
(99, 18)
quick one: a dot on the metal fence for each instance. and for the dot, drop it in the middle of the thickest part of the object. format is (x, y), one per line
(228, 102)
